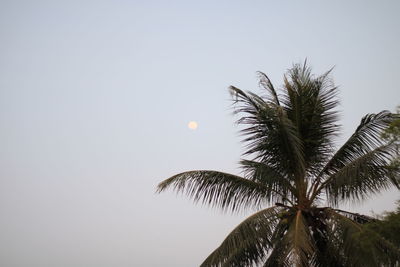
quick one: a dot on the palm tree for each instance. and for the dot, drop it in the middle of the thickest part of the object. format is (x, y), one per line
(293, 170)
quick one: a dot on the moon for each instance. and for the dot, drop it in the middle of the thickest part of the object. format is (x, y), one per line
(192, 125)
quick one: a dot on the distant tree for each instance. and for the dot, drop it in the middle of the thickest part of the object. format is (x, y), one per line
(386, 227)
(292, 169)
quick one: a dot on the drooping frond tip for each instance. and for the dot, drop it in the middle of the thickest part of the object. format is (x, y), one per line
(266, 83)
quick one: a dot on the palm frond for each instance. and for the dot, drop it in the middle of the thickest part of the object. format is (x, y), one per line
(270, 177)
(366, 137)
(279, 255)
(341, 232)
(310, 104)
(328, 248)
(223, 190)
(362, 177)
(248, 243)
(355, 217)
(293, 244)
(266, 83)
(270, 135)
(300, 241)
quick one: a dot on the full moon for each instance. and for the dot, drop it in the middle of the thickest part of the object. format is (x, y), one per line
(192, 125)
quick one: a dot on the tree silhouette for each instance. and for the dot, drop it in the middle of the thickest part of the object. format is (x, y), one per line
(292, 170)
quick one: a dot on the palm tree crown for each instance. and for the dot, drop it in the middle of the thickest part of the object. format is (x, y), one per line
(292, 169)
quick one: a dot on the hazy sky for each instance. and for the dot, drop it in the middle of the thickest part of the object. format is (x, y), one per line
(95, 97)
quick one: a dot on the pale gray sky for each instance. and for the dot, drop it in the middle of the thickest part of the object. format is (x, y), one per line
(95, 97)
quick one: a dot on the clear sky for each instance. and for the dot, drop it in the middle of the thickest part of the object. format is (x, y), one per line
(95, 97)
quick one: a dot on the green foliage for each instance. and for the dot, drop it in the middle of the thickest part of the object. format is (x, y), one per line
(381, 237)
(290, 166)
(388, 226)
(393, 131)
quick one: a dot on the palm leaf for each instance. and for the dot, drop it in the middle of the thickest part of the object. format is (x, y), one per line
(219, 189)
(366, 138)
(361, 177)
(271, 177)
(270, 135)
(265, 82)
(293, 246)
(355, 217)
(309, 103)
(279, 255)
(300, 240)
(248, 243)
